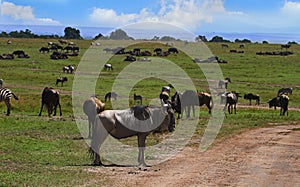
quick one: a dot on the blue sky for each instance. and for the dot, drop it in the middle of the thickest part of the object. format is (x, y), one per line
(259, 16)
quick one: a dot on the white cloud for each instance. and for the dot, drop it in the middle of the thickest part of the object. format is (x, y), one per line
(24, 14)
(184, 13)
(291, 7)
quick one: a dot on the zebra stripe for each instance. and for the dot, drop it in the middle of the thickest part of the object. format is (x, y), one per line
(5, 95)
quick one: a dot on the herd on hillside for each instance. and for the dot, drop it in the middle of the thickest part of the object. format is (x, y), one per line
(65, 49)
(116, 122)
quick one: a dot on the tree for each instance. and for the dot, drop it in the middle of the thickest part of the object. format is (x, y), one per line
(119, 34)
(98, 36)
(218, 39)
(201, 38)
(167, 38)
(72, 33)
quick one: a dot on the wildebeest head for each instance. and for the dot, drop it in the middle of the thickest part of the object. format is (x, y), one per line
(274, 102)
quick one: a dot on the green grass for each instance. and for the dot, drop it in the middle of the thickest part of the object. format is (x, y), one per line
(42, 151)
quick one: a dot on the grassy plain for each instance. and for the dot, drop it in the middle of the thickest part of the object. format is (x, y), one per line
(42, 151)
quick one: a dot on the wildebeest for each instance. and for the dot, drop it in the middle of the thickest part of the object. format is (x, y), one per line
(251, 96)
(172, 50)
(108, 67)
(187, 99)
(5, 95)
(61, 80)
(231, 101)
(57, 55)
(281, 101)
(50, 98)
(176, 103)
(91, 108)
(130, 58)
(224, 45)
(1, 83)
(137, 98)
(137, 121)
(164, 96)
(224, 82)
(19, 52)
(205, 99)
(285, 91)
(167, 88)
(44, 50)
(285, 46)
(110, 95)
(157, 51)
(284, 104)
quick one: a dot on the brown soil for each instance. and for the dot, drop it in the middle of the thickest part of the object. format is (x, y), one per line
(260, 157)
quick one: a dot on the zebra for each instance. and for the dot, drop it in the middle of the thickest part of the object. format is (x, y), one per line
(5, 95)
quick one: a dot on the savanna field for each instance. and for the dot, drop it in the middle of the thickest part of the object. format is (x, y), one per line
(42, 151)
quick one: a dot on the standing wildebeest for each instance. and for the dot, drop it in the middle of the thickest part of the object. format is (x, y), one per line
(5, 95)
(224, 82)
(108, 67)
(1, 83)
(44, 50)
(91, 108)
(274, 102)
(61, 79)
(110, 95)
(251, 96)
(50, 98)
(224, 45)
(137, 121)
(282, 101)
(172, 50)
(167, 88)
(284, 104)
(157, 51)
(231, 101)
(205, 99)
(188, 99)
(285, 91)
(164, 96)
(137, 97)
(285, 46)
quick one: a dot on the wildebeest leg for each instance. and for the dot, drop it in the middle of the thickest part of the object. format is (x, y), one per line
(234, 108)
(141, 144)
(7, 102)
(60, 113)
(250, 101)
(41, 109)
(98, 137)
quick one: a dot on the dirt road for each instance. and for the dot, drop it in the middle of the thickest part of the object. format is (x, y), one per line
(260, 157)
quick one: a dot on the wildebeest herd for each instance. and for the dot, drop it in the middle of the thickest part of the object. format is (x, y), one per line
(103, 122)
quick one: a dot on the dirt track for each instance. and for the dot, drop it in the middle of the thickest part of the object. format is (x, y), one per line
(260, 157)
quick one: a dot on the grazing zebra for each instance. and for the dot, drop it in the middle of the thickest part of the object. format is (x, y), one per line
(224, 82)
(285, 91)
(5, 95)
